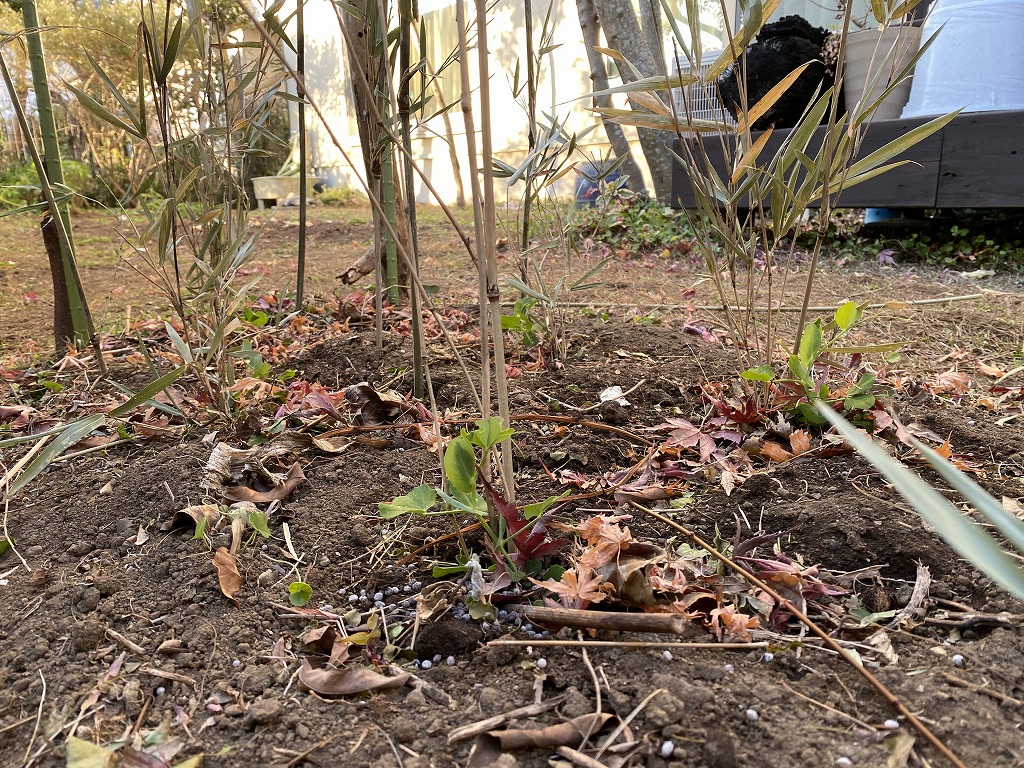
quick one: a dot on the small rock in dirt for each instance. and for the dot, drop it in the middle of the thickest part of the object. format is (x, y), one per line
(506, 761)
(576, 704)
(447, 637)
(613, 413)
(107, 585)
(133, 699)
(34, 551)
(266, 711)
(361, 535)
(234, 710)
(87, 635)
(664, 710)
(124, 525)
(80, 548)
(719, 750)
(683, 690)
(85, 599)
(493, 701)
(302, 730)
(257, 679)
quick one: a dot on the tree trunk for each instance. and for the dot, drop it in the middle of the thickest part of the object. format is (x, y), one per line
(622, 29)
(590, 26)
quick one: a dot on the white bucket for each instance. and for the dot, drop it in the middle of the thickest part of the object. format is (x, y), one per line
(976, 62)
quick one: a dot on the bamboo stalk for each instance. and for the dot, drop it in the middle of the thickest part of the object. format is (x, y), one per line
(374, 201)
(300, 89)
(63, 232)
(405, 12)
(478, 216)
(633, 644)
(488, 249)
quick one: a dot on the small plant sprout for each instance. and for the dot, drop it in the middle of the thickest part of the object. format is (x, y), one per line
(516, 539)
(299, 593)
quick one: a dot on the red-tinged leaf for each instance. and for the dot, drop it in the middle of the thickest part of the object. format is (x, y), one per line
(228, 577)
(30, 297)
(882, 419)
(347, 681)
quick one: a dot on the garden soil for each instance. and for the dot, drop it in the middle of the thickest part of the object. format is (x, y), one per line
(110, 636)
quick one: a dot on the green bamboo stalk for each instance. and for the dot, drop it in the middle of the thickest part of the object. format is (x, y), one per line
(54, 170)
(300, 88)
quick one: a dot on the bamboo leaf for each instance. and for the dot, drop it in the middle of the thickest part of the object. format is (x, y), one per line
(97, 109)
(646, 84)
(70, 435)
(767, 101)
(901, 144)
(967, 538)
(750, 156)
(1005, 522)
(757, 14)
(661, 122)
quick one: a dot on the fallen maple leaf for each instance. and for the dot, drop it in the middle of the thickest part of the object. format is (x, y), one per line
(952, 382)
(731, 626)
(574, 592)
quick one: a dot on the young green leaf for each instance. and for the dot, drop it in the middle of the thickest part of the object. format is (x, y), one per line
(759, 373)
(418, 501)
(299, 593)
(258, 521)
(847, 315)
(489, 433)
(460, 465)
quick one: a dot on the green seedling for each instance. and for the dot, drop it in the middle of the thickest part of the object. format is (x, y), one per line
(299, 593)
(813, 369)
(515, 538)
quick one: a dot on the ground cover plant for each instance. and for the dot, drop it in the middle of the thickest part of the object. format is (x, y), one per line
(564, 510)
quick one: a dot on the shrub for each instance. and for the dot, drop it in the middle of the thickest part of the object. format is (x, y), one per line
(342, 196)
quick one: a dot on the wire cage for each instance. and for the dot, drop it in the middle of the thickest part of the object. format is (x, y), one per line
(700, 100)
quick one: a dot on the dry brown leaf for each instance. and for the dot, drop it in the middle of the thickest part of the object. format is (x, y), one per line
(191, 517)
(293, 480)
(800, 442)
(952, 382)
(945, 450)
(775, 452)
(557, 735)
(991, 370)
(576, 592)
(228, 577)
(347, 681)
